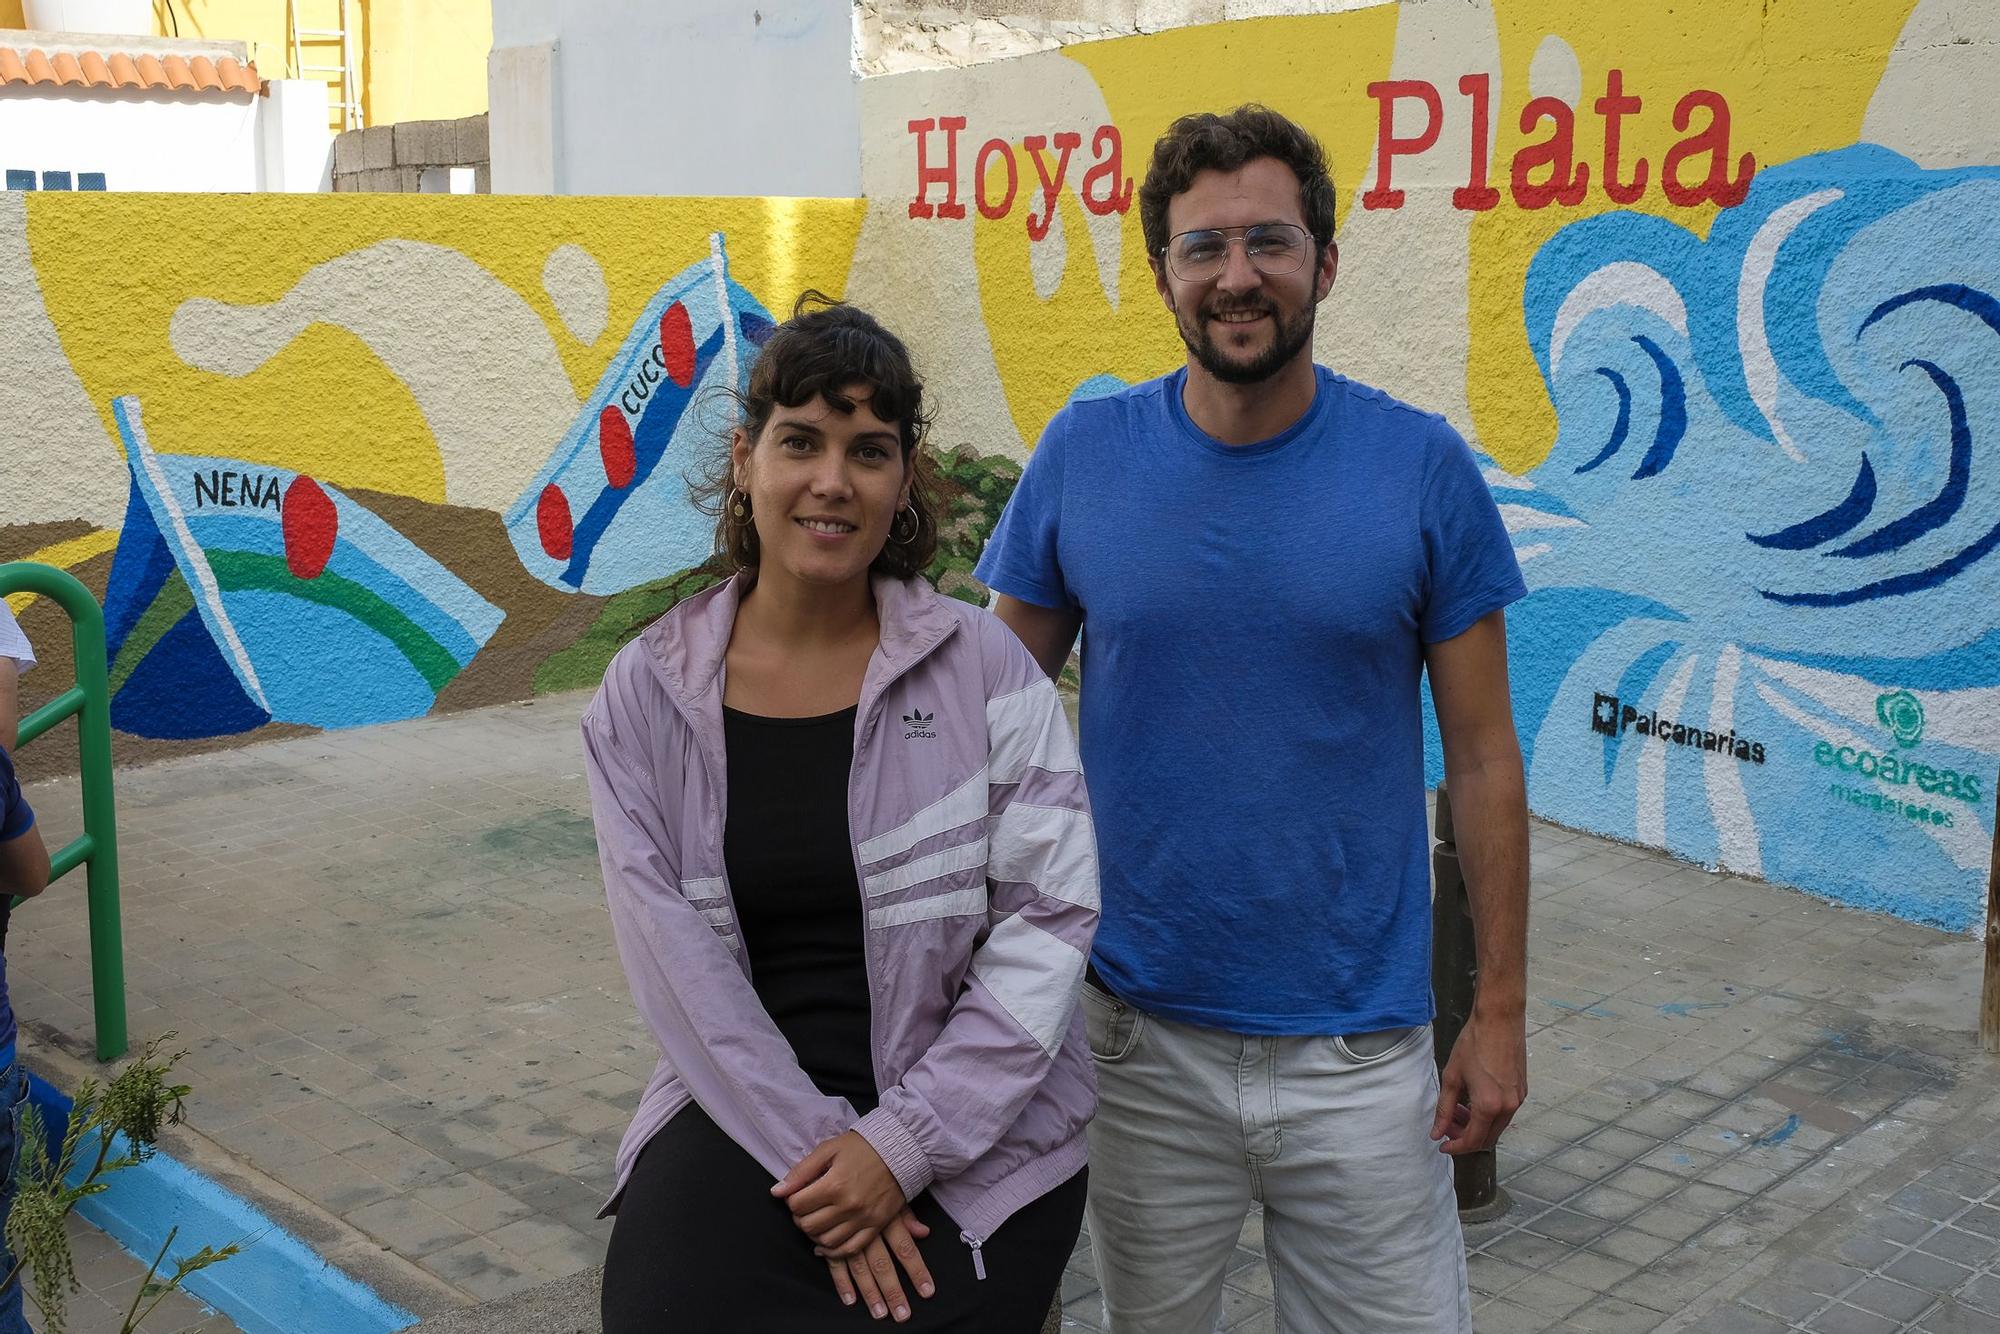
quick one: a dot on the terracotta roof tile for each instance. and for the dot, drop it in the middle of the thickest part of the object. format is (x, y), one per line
(118, 69)
(238, 77)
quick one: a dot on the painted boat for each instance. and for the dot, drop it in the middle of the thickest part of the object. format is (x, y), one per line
(610, 509)
(242, 594)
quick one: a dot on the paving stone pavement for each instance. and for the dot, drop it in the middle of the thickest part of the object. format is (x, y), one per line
(109, 1279)
(388, 955)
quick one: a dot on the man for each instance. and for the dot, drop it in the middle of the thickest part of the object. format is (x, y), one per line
(1263, 557)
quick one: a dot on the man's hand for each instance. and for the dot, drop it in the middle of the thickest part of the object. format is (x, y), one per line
(1487, 1076)
(1484, 1082)
(872, 1274)
(842, 1194)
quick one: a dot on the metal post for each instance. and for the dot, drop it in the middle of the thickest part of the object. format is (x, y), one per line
(1989, 1003)
(90, 700)
(1454, 975)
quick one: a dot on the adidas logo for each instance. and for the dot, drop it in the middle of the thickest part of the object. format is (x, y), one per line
(919, 726)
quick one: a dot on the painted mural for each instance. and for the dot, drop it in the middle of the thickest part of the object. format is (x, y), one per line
(1802, 396)
(343, 465)
(1712, 288)
(241, 595)
(609, 510)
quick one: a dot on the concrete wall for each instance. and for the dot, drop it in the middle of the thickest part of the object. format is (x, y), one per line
(403, 452)
(897, 36)
(678, 97)
(432, 157)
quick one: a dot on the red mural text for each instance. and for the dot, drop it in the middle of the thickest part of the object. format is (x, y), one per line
(997, 176)
(1546, 171)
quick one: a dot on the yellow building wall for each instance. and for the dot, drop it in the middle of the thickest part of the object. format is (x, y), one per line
(420, 59)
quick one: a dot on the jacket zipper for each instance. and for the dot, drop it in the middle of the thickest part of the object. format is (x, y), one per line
(864, 725)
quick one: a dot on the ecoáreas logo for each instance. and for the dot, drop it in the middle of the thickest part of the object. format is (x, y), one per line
(1902, 713)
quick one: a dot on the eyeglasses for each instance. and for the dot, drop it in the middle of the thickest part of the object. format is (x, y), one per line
(1273, 249)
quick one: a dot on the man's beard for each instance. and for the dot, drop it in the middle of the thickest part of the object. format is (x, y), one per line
(1290, 338)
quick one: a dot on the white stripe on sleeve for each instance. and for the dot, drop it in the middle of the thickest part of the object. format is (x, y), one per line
(1033, 975)
(1049, 847)
(1028, 732)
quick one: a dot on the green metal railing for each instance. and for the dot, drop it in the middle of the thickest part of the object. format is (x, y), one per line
(89, 699)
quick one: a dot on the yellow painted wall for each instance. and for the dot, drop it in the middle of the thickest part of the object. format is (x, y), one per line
(420, 59)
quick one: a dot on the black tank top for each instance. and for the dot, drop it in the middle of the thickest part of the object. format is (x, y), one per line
(785, 844)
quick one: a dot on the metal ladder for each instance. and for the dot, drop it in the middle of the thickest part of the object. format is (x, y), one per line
(97, 850)
(347, 106)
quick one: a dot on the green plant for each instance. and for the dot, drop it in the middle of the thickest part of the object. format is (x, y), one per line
(118, 1126)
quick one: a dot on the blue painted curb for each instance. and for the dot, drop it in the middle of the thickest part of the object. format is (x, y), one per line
(276, 1285)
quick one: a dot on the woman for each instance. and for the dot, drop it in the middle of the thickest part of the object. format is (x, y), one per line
(852, 878)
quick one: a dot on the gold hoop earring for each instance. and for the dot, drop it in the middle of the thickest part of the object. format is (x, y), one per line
(916, 525)
(739, 508)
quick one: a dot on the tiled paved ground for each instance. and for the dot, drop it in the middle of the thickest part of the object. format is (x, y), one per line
(389, 954)
(109, 1279)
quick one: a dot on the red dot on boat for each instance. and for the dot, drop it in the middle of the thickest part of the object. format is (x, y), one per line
(677, 344)
(614, 442)
(552, 519)
(310, 524)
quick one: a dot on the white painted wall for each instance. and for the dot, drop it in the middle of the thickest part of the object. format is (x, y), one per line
(297, 144)
(139, 142)
(684, 97)
(521, 118)
(173, 141)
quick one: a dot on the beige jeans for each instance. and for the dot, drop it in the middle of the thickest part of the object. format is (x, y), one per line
(1360, 1220)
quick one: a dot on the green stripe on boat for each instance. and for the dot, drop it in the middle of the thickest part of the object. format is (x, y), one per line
(247, 571)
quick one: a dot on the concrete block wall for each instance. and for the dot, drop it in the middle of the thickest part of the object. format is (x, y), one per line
(415, 156)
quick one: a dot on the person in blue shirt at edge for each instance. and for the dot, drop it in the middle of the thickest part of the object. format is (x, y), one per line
(15, 660)
(24, 870)
(1263, 557)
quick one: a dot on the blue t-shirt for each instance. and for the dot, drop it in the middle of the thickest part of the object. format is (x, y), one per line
(16, 819)
(1254, 623)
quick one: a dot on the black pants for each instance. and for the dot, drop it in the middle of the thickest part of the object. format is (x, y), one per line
(700, 1247)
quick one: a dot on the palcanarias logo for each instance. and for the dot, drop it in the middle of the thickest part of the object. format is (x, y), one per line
(1903, 714)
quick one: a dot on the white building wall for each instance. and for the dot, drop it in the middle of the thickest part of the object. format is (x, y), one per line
(297, 149)
(681, 97)
(151, 142)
